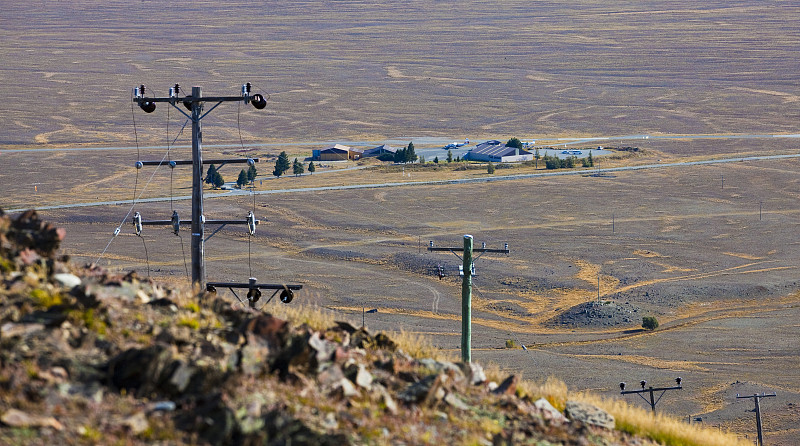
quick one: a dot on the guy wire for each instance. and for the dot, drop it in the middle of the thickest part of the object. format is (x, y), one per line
(146, 256)
(185, 266)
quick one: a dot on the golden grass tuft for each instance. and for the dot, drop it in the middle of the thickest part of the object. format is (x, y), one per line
(662, 428)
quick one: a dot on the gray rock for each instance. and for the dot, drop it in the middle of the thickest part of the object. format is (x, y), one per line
(363, 377)
(18, 418)
(474, 372)
(137, 423)
(68, 280)
(549, 412)
(589, 414)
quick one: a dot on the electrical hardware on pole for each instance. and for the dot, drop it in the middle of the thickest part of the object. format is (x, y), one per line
(651, 390)
(468, 268)
(756, 397)
(195, 103)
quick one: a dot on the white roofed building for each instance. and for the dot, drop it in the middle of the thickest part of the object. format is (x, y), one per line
(498, 152)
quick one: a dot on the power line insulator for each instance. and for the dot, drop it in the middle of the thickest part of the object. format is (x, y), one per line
(286, 296)
(253, 295)
(172, 164)
(148, 107)
(176, 222)
(139, 164)
(187, 102)
(251, 223)
(137, 223)
(258, 101)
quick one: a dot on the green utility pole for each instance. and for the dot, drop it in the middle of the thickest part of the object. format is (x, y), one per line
(466, 302)
(466, 290)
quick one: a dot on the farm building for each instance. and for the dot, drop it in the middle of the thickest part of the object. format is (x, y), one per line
(378, 151)
(336, 152)
(497, 152)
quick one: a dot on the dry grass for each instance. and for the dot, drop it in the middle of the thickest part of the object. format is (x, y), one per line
(662, 428)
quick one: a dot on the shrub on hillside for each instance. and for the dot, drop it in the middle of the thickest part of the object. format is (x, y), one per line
(649, 322)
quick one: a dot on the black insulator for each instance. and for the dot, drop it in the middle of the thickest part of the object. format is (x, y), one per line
(247, 87)
(258, 101)
(211, 288)
(141, 89)
(148, 107)
(188, 103)
(139, 164)
(253, 295)
(287, 296)
(177, 88)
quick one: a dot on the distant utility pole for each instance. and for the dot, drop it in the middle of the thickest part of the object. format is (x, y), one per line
(723, 180)
(651, 390)
(760, 204)
(466, 290)
(756, 397)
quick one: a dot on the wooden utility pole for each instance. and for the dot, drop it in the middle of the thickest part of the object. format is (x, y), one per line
(198, 232)
(466, 290)
(756, 397)
(651, 390)
(195, 104)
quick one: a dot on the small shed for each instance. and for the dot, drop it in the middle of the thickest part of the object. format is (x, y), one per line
(336, 152)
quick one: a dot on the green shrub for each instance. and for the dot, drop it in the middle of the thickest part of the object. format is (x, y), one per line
(649, 322)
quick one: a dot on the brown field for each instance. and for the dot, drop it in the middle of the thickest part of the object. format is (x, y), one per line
(721, 278)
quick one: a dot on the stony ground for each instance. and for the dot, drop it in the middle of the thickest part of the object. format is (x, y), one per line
(89, 357)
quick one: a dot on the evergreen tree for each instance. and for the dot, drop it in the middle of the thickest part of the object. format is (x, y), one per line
(242, 180)
(281, 164)
(536, 156)
(449, 156)
(251, 174)
(217, 181)
(591, 160)
(400, 155)
(297, 167)
(569, 162)
(490, 168)
(422, 160)
(436, 160)
(411, 155)
(514, 142)
(311, 167)
(210, 174)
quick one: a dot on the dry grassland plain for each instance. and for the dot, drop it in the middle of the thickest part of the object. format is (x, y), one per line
(717, 265)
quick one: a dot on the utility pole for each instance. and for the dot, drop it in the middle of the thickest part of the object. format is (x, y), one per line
(195, 104)
(756, 397)
(760, 203)
(466, 290)
(651, 390)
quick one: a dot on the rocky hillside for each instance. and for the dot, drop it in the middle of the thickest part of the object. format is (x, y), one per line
(89, 357)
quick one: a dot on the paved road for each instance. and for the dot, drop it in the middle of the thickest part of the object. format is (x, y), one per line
(230, 193)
